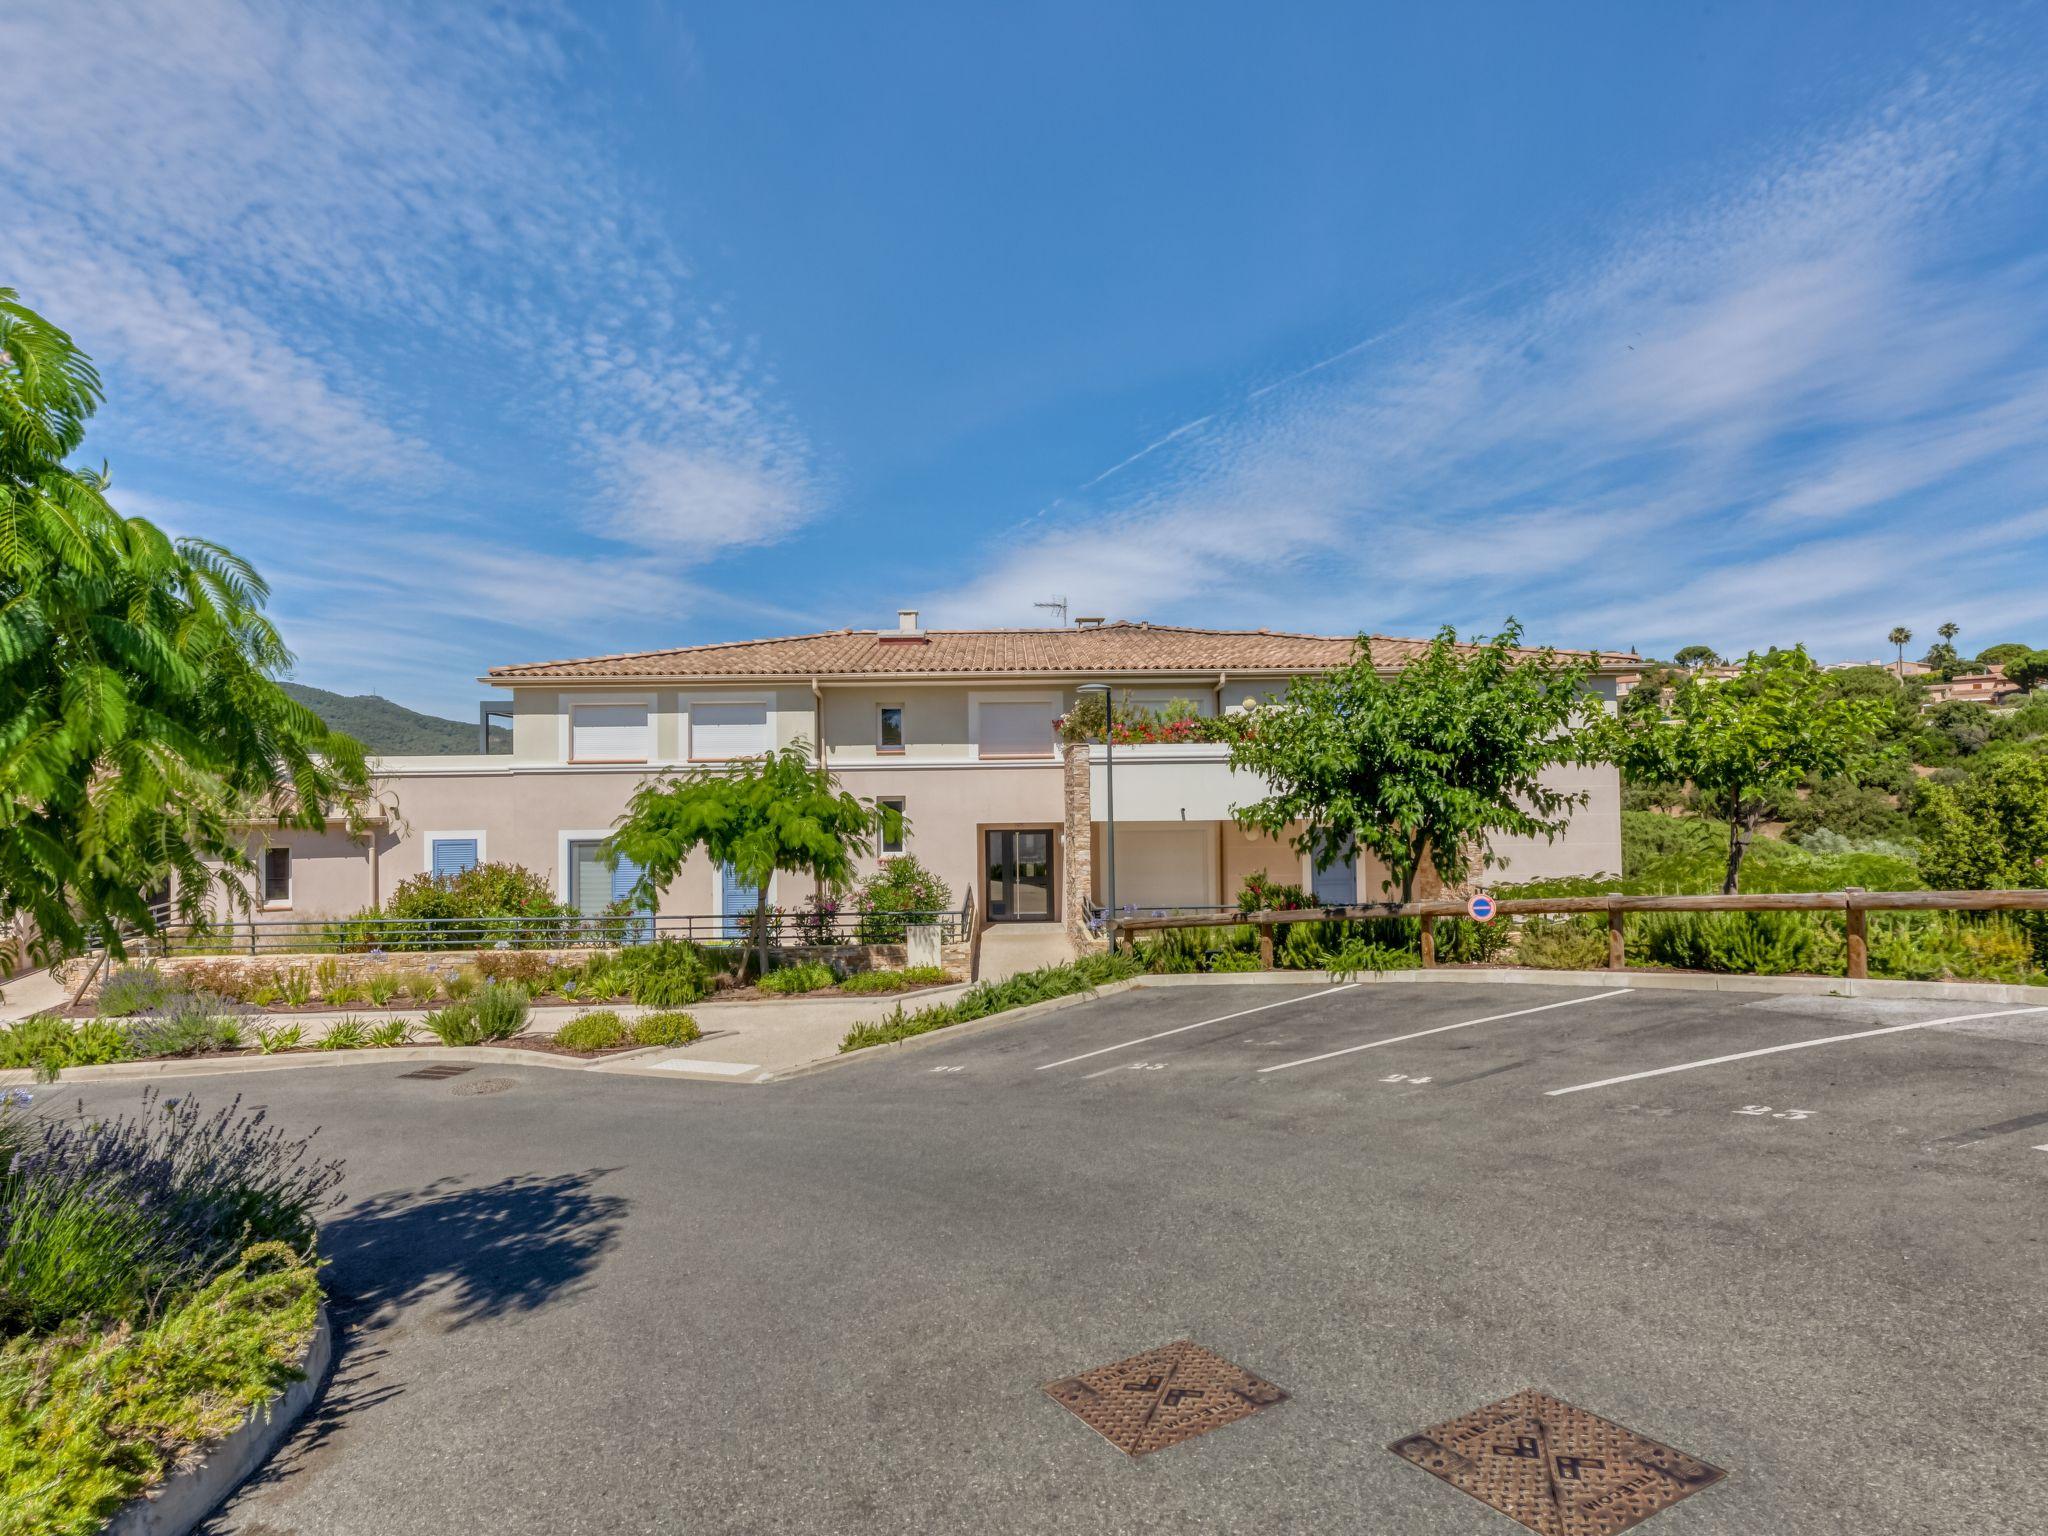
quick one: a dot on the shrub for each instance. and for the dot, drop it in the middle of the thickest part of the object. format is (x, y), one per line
(992, 997)
(90, 1420)
(344, 1035)
(419, 986)
(192, 1026)
(380, 987)
(1234, 960)
(463, 983)
(665, 1028)
(1562, 944)
(455, 1024)
(1261, 893)
(597, 1031)
(48, 1044)
(1360, 955)
(500, 1009)
(895, 981)
(901, 885)
(1753, 943)
(227, 979)
(283, 1037)
(810, 976)
(347, 994)
(475, 904)
(666, 974)
(537, 973)
(295, 987)
(132, 989)
(107, 1218)
(389, 1033)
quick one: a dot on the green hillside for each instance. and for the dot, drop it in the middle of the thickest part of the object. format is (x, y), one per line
(387, 729)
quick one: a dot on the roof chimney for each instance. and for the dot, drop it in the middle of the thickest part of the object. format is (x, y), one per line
(906, 628)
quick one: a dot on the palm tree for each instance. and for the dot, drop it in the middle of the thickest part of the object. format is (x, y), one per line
(1949, 631)
(1901, 637)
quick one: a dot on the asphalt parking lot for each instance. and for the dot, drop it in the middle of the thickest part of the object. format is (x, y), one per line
(580, 1303)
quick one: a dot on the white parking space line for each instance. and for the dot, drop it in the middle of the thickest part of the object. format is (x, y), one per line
(1203, 1024)
(1490, 1018)
(1794, 1045)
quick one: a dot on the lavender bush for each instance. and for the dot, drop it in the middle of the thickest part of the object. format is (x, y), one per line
(114, 1218)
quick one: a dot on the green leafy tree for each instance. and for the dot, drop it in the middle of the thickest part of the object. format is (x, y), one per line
(1428, 763)
(1748, 742)
(780, 811)
(2029, 671)
(141, 726)
(1690, 656)
(1990, 831)
(1900, 637)
(2003, 654)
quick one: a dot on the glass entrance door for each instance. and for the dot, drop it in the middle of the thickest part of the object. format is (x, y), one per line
(1018, 867)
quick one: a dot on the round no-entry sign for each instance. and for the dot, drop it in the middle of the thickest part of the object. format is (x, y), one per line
(1479, 907)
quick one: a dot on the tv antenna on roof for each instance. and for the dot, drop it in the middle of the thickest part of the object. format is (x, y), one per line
(1056, 605)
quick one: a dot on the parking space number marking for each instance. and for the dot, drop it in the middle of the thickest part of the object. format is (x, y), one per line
(1775, 1114)
(1402, 1077)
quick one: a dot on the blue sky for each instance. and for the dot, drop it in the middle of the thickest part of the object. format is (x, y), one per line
(496, 334)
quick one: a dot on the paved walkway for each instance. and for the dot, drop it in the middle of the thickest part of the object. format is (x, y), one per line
(1007, 948)
(21, 996)
(745, 1041)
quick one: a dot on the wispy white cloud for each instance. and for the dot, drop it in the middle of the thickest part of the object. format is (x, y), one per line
(1639, 443)
(302, 241)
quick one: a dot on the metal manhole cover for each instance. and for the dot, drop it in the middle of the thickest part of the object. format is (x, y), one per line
(488, 1085)
(438, 1072)
(1557, 1469)
(1162, 1397)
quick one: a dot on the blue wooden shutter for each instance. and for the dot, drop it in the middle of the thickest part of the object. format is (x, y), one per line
(736, 901)
(640, 930)
(452, 855)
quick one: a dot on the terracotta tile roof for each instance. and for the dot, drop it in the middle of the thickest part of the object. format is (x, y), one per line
(1123, 648)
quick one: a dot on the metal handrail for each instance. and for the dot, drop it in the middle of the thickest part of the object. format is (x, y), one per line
(1853, 903)
(367, 932)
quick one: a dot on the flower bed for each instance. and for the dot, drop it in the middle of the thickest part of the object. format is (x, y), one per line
(157, 1281)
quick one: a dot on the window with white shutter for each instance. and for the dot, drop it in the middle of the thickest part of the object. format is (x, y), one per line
(609, 733)
(724, 728)
(1015, 729)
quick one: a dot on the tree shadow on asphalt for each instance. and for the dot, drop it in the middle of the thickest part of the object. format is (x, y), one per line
(484, 1251)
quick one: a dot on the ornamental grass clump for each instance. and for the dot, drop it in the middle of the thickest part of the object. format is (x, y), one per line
(192, 1025)
(133, 989)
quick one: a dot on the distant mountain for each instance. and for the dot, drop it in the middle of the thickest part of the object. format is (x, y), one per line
(387, 729)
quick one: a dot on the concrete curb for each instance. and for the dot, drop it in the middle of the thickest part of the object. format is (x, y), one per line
(367, 1056)
(187, 1498)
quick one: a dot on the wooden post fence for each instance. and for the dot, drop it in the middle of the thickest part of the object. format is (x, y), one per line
(1854, 904)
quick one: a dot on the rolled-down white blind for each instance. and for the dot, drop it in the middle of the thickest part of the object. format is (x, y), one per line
(615, 733)
(1016, 730)
(728, 728)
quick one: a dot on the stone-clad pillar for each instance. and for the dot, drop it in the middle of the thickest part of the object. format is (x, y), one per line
(1077, 841)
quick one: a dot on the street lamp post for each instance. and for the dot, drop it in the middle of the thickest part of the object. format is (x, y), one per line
(1109, 801)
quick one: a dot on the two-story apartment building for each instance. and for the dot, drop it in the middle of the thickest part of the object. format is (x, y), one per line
(956, 727)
